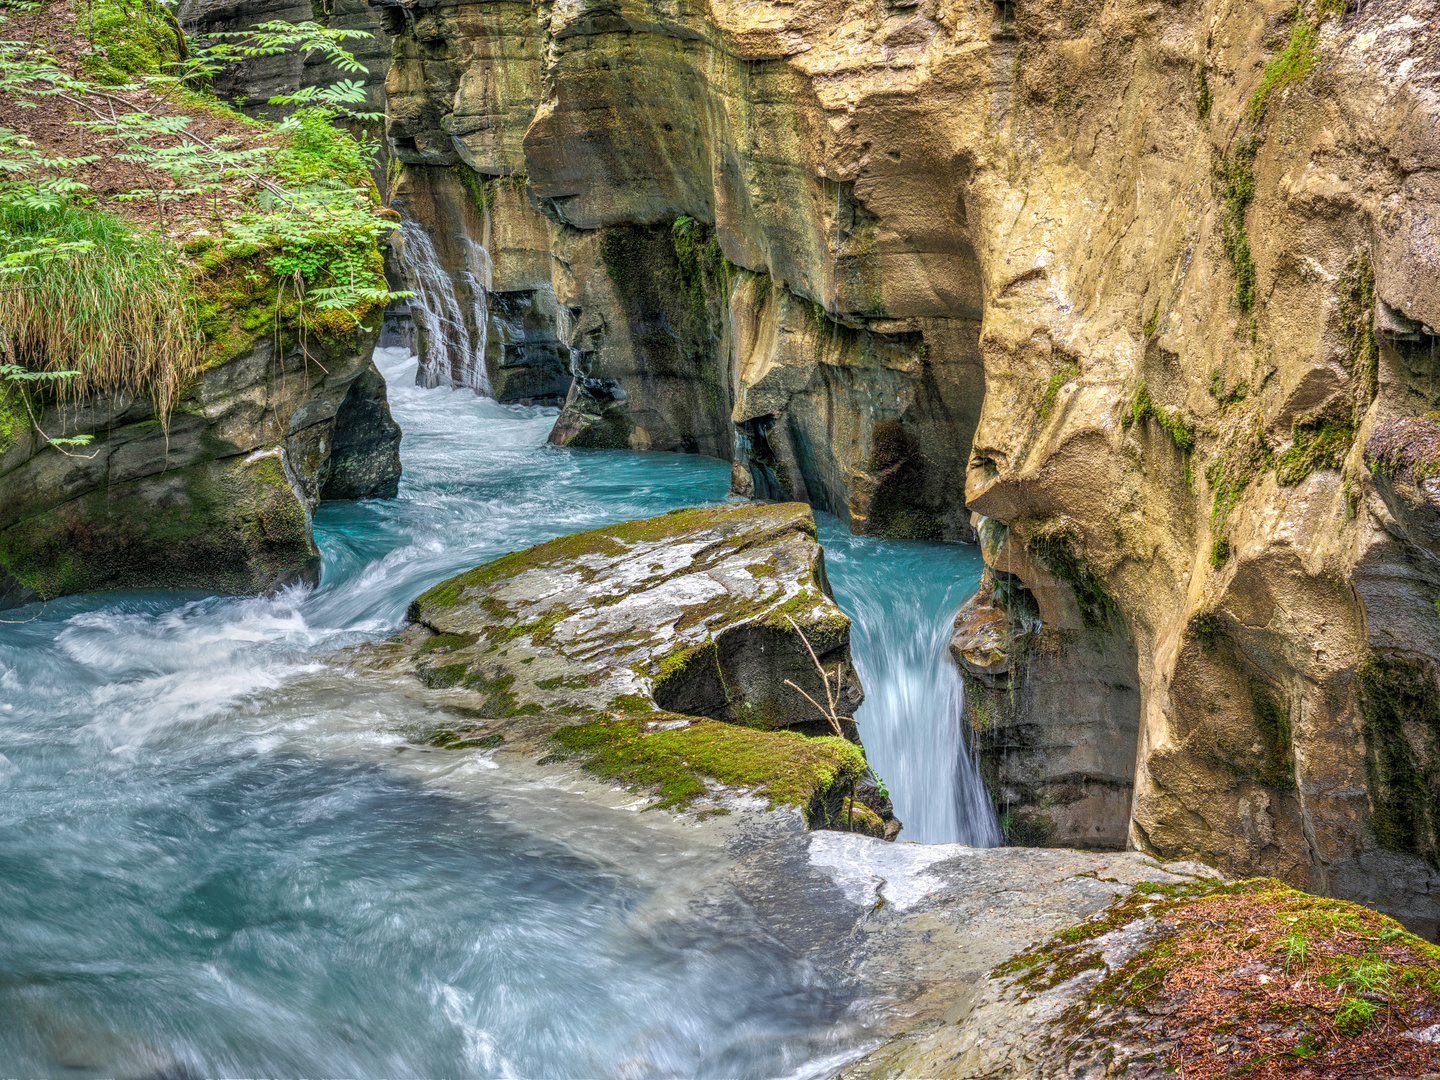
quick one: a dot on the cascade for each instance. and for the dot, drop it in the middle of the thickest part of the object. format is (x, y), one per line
(453, 353)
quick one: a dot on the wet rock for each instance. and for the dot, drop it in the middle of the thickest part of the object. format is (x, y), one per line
(688, 613)
(220, 499)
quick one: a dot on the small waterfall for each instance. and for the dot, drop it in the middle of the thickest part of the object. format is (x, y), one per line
(452, 347)
(913, 720)
(565, 332)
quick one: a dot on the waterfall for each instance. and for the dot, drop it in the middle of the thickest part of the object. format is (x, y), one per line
(913, 719)
(452, 348)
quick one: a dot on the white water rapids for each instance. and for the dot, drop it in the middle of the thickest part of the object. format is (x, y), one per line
(217, 856)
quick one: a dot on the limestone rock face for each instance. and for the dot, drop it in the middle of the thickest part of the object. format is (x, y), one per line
(253, 82)
(220, 499)
(1187, 257)
(688, 613)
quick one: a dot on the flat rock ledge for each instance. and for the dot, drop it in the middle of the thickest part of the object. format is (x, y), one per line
(664, 654)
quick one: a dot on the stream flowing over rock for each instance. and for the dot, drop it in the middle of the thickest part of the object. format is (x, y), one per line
(1133, 287)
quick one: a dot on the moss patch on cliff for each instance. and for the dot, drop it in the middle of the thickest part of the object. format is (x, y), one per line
(1056, 550)
(784, 767)
(1400, 707)
(1318, 444)
(1252, 974)
(1143, 407)
(1243, 455)
(1357, 322)
(1235, 177)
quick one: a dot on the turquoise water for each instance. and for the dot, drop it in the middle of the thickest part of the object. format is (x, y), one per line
(213, 860)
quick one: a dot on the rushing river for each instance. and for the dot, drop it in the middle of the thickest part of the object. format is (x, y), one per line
(214, 859)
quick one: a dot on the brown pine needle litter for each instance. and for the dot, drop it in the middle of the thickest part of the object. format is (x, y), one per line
(1252, 979)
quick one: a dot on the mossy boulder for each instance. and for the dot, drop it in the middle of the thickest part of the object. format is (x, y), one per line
(699, 612)
(662, 654)
(217, 498)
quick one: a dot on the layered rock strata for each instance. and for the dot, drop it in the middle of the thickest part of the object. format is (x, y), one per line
(670, 654)
(1187, 253)
(218, 497)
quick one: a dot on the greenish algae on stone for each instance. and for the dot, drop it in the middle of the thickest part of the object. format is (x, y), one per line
(670, 639)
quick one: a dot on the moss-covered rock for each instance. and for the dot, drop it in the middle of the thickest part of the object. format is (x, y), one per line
(691, 612)
(667, 654)
(217, 499)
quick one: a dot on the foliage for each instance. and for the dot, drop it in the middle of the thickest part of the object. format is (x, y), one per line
(128, 38)
(112, 302)
(697, 248)
(118, 310)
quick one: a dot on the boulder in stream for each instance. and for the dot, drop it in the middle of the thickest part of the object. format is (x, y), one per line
(666, 653)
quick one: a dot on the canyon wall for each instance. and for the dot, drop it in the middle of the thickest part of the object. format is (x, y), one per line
(1145, 290)
(218, 496)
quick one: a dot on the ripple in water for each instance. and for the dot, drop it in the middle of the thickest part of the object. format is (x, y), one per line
(209, 859)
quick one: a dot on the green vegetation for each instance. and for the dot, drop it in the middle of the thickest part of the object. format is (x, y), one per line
(1243, 457)
(1235, 175)
(1278, 770)
(117, 311)
(1318, 444)
(1398, 697)
(134, 313)
(1203, 100)
(697, 248)
(1327, 971)
(1291, 65)
(1056, 550)
(1143, 407)
(785, 767)
(1064, 374)
(1357, 321)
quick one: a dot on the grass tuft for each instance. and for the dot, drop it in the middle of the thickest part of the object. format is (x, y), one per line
(120, 312)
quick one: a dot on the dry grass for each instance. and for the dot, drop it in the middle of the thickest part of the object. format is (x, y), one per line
(119, 313)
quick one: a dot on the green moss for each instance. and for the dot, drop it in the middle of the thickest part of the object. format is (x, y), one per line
(1057, 552)
(1203, 100)
(1357, 321)
(1291, 65)
(454, 740)
(784, 767)
(1398, 699)
(1065, 374)
(1028, 828)
(138, 37)
(1318, 444)
(1143, 407)
(1235, 176)
(630, 703)
(1152, 323)
(1278, 770)
(444, 643)
(1242, 457)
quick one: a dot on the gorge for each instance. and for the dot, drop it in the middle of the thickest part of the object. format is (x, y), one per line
(1059, 378)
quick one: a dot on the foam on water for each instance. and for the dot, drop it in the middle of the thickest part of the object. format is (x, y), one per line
(212, 854)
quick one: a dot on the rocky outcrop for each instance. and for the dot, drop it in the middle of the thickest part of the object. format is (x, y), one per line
(698, 612)
(251, 83)
(218, 498)
(1188, 255)
(680, 655)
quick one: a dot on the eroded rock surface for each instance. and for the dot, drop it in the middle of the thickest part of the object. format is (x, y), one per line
(217, 499)
(689, 612)
(1187, 257)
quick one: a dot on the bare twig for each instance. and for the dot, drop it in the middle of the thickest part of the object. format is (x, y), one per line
(831, 714)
